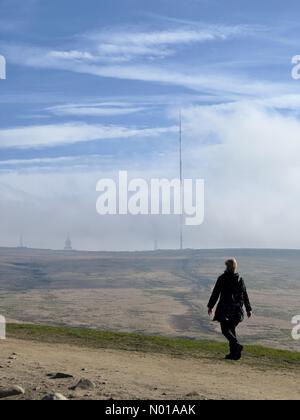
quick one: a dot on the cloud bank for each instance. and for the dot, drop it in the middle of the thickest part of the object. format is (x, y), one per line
(248, 155)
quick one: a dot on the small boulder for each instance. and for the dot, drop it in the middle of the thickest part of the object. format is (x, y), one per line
(193, 394)
(54, 397)
(14, 391)
(84, 385)
(61, 375)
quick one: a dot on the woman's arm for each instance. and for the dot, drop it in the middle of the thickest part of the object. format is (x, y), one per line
(214, 296)
(247, 301)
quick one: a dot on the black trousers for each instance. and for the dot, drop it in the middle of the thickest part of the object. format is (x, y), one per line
(229, 331)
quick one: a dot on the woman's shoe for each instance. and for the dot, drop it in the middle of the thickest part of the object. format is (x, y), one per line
(238, 352)
(231, 354)
(229, 357)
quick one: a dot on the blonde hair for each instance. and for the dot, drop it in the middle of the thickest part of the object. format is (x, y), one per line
(231, 265)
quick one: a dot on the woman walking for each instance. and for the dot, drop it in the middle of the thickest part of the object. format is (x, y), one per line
(232, 294)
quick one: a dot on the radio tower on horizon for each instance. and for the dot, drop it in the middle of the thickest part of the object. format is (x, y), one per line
(181, 180)
(21, 243)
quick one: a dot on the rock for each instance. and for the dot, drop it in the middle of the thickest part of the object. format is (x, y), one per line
(12, 358)
(84, 385)
(193, 394)
(60, 375)
(54, 397)
(11, 392)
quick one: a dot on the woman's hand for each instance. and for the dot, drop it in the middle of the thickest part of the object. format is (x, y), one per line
(249, 314)
(210, 311)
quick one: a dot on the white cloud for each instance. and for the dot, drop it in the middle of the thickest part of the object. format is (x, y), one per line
(119, 46)
(185, 35)
(72, 55)
(250, 158)
(287, 101)
(34, 163)
(248, 154)
(57, 134)
(94, 110)
(204, 81)
(128, 54)
(127, 44)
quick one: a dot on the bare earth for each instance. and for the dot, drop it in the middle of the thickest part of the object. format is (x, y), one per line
(157, 293)
(124, 375)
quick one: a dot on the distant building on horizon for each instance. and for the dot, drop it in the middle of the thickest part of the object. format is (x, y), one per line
(68, 244)
(21, 243)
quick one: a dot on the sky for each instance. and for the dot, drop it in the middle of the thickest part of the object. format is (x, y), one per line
(96, 87)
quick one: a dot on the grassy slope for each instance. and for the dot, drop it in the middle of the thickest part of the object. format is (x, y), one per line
(254, 355)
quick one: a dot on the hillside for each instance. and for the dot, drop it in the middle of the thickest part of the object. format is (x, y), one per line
(163, 292)
(131, 366)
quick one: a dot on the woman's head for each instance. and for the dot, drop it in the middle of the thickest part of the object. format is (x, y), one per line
(231, 265)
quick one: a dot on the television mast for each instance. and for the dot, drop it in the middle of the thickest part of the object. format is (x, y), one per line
(21, 243)
(181, 180)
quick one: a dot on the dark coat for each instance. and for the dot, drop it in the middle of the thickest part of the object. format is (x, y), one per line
(231, 290)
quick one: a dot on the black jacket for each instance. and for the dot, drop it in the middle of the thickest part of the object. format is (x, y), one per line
(231, 290)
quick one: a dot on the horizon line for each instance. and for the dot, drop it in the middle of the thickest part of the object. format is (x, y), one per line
(148, 250)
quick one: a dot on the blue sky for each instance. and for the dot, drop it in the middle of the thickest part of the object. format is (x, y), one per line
(95, 87)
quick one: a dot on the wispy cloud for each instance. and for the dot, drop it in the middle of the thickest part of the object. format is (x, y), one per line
(94, 110)
(129, 54)
(185, 35)
(206, 80)
(127, 44)
(59, 134)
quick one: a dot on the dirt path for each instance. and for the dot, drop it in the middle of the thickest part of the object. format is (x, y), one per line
(131, 375)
